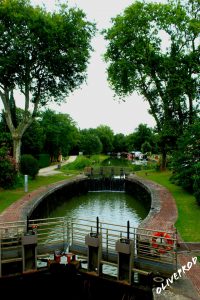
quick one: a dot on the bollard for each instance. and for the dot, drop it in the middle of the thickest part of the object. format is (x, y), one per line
(26, 183)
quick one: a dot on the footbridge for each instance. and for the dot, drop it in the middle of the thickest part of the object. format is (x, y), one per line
(96, 246)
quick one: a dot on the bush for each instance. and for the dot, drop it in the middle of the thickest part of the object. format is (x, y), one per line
(43, 160)
(8, 170)
(29, 165)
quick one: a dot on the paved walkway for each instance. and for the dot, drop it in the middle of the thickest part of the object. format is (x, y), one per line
(51, 170)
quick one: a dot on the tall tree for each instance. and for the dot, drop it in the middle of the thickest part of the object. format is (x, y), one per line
(119, 143)
(89, 142)
(43, 55)
(60, 131)
(142, 134)
(106, 136)
(165, 73)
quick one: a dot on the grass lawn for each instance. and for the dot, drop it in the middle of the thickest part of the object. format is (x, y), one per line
(188, 210)
(7, 197)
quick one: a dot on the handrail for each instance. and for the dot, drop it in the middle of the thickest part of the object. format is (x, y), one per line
(68, 232)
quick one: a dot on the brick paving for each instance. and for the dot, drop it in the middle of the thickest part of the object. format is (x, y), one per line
(163, 216)
(15, 211)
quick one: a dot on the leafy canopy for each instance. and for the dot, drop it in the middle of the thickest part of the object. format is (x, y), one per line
(154, 49)
(42, 53)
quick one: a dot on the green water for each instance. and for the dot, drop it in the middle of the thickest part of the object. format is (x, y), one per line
(111, 207)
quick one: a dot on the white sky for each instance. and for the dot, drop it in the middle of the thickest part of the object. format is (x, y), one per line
(93, 104)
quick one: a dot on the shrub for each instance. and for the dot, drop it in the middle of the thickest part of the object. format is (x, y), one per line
(8, 170)
(29, 165)
(44, 160)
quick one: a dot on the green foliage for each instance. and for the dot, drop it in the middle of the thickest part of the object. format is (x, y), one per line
(89, 142)
(186, 160)
(142, 134)
(42, 54)
(165, 74)
(29, 165)
(60, 133)
(146, 147)
(52, 49)
(106, 137)
(119, 143)
(196, 184)
(33, 139)
(8, 170)
(43, 160)
(5, 139)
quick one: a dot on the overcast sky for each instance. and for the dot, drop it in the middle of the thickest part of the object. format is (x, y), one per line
(93, 104)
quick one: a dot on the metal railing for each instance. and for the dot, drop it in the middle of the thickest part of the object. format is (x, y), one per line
(70, 232)
(66, 233)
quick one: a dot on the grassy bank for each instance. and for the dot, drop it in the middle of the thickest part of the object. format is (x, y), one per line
(188, 210)
(7, 197)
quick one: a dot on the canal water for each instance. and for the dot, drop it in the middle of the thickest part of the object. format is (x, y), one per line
(111, 207)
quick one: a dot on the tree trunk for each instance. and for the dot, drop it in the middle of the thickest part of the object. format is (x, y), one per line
(27, 119)
(16, 149)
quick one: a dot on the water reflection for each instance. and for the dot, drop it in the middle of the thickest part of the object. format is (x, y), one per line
(113, 207)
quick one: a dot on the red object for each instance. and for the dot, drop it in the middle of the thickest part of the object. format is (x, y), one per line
(57, 256)
(70, 257)
(167, 244)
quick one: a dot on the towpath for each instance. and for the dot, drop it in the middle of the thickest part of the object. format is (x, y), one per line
(51, 170)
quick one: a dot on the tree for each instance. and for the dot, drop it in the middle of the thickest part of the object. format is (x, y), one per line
(89, 142)
(186, 159)
(60, 131)
(43, 55)
(106, 137)
(142, 134)
(33, 139)
(146, 147)
(119, 143)
(166, 75)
